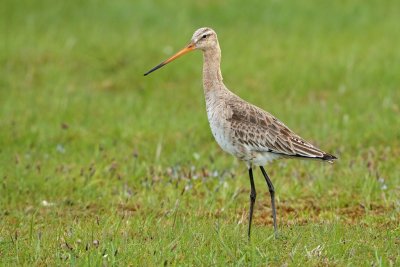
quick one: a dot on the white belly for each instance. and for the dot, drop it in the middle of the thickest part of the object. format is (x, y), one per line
(222, 137)
(221, 133)
(262, 158)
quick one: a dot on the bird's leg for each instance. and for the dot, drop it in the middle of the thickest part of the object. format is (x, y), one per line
(272, 193)
(252, 198)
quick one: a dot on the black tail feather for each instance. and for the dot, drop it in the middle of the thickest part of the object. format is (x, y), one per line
(328, 157)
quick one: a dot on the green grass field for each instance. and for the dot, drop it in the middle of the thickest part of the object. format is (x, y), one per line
(102, 166)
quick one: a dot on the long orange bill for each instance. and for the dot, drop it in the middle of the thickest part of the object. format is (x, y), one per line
(185, 50)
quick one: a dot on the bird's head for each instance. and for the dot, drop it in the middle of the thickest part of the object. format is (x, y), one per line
(203, 39)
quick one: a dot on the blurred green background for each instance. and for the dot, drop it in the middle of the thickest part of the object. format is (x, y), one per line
(96, 159)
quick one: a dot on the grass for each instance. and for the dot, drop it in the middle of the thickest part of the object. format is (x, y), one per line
(102, 166)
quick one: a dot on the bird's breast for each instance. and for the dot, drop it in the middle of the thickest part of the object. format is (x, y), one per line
(217, 114)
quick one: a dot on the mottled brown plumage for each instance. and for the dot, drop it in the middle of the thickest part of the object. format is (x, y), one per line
(240, 128)
(257, 128)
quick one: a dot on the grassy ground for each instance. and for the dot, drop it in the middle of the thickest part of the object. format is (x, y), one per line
(100, 165)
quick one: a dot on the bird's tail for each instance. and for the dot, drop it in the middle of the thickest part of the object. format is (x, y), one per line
(328, 157)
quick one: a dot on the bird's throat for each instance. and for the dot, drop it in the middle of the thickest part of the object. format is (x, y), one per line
(212, 77)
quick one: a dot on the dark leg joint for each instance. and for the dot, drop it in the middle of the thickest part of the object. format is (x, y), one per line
(271, 190)
(253, 196)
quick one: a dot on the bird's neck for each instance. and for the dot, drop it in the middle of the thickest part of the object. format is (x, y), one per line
(212, 77)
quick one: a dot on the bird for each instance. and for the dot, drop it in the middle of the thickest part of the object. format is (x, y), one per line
(240, 128)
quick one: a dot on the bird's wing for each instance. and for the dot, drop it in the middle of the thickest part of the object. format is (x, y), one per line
(261, 131)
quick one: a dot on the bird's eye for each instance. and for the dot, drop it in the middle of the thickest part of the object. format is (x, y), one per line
(204, 36)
